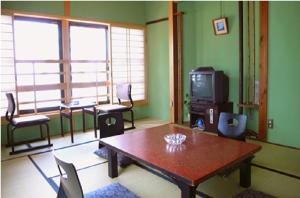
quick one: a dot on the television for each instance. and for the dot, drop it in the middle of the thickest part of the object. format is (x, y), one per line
(208, 86)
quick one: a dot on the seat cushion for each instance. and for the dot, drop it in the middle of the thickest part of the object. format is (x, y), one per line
(115, 190)
(123, 161)
(111, 108)
(30, 120)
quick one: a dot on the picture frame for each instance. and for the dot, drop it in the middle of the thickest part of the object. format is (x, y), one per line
(220, 26)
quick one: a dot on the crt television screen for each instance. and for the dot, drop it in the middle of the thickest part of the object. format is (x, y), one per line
(202, 86)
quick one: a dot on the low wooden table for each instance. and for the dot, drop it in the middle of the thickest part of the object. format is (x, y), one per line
(200, 157)
(66, 110)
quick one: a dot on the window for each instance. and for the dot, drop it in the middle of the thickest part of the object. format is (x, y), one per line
(48, 61)
(128, 60)
(89, 63)
(7, 61)
(38, 64)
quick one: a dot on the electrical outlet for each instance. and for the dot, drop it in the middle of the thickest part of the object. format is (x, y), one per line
(270, 123)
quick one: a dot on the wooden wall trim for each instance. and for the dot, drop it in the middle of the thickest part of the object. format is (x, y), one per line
(180, 63)
(241, 56)
(263, 77)
(67, 8)
(172, 8)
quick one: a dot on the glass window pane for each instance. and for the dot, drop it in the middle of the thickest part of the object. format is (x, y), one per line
(24, 68)
(103, 91)
(87, 43)
(48, 104)
(47, 67)
(24, 80)
(26, 96)
(89, 77)
(47, 79)
(26, 106)
(83, 92)
(47, 95)
(42, 38)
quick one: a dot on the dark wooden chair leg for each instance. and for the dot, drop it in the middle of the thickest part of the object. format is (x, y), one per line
(132, 119)
(83, 120)
(41, 131)
(48, 133)
(71, 126)
(12, 141)
(61, 124)
(95, 122)
(7, 134)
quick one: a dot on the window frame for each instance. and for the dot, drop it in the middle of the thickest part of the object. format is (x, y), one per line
(143, 28)
(34, 88)
(66, 59)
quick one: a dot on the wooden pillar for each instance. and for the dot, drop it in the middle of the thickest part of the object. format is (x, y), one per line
(66, 54)
(175, 63)
(263, 65)
(241, 56)
(179, 70)
(172, 9)
(66, 8)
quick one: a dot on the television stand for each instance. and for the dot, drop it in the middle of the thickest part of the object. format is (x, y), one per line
(209, 113)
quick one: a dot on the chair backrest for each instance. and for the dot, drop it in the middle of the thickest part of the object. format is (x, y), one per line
(69, 184)
(228, 128)
(111, 124)
(11, 107)
(123, 92)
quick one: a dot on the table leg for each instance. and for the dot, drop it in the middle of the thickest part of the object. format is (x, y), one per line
(187, 191)
(112, 163)
(245, 173)
(71, 126)
(95, 121)
(61, 123)
(83, 120)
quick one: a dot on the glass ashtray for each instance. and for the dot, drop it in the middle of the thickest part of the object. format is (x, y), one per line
(175, 139)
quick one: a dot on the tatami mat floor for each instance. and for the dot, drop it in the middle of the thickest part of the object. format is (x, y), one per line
(276, 171)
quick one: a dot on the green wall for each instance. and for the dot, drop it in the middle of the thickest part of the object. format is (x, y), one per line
(284, 70)
(158, 61)
(125, 12)
(202, 48)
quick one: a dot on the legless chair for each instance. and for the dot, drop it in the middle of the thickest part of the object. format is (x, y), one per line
(123, 93)
(23, 122)
(112, 124)
(70, 186)
(229, 129)
(226, 129)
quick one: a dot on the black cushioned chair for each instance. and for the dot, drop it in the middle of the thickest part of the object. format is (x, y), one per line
(123, 93)
(228, 128)
(112, 124)
(70, 186)
(23, 122)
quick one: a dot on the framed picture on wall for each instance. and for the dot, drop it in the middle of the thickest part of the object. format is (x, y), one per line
(220, 26)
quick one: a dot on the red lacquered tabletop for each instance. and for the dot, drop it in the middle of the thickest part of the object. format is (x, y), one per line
(199, 157)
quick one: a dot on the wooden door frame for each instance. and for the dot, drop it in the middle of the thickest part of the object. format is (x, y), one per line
(263, 76)
(175, 63)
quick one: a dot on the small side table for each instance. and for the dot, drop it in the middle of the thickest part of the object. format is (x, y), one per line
(66, 110)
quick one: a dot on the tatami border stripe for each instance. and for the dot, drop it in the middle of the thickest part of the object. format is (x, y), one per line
(50, 181)
(54, 186)
(276, 171)
(167, 178)
(80, 169)
(41, 152)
